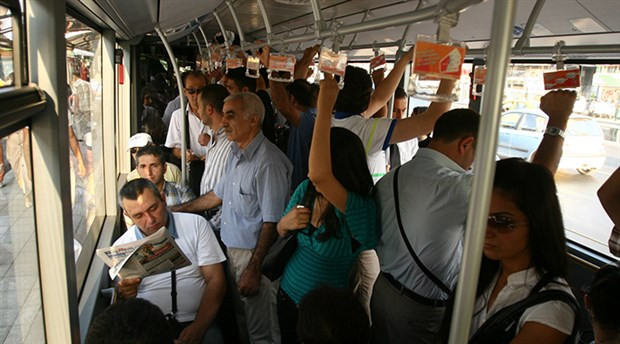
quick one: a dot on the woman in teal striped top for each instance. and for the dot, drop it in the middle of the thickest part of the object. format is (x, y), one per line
(337, 224)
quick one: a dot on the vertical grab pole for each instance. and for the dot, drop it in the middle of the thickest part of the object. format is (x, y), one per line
(499, 55)
(263, 13)
(219, 22)
(198, 44)
(184, 123)
(318, 18)
(239, 31)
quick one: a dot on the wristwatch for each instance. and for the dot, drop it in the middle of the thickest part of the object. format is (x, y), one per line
(554, 131)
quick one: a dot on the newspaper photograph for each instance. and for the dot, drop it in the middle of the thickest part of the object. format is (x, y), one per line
(152, 255)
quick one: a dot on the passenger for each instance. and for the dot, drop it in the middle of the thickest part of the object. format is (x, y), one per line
(81, 106)
(140, 140)
(172, 106)
(18, 156)
(210, 110)
(524, 251)
(294, 101)
(236, 81)
(332, 316)
(402, 152)
(434, 190)
(609, 195)
(133, 321)
(200, 287)
(151, 162)
(150, 119)
(336, 224)
(192, 84)
(378, 133)
(603, 302)
(253, 193)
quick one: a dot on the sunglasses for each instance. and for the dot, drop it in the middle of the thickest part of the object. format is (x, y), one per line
(193, 90)
(503, 224)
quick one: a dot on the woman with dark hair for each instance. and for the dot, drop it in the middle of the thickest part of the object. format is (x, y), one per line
(336, 223)
(524, 250)
(603, 304)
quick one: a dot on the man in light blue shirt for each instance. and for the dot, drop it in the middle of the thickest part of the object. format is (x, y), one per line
(253, 193)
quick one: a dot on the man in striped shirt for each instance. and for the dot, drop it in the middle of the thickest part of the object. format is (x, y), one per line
(210, 104)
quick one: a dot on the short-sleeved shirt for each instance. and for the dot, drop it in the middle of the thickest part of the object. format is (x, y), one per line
(196, 239)
(327, 263)
(177, 193)
(218, 150)
(255, 189)
(555, 314)
(196, 127)
(434, 196)
(298, 149)
(82, 90)
(375, 134)
(173, 174)
(407, 150)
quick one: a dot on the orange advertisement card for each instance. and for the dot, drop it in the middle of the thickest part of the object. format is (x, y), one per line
(234, 63)
(480, 75)
(444, 61)
(377, 61)
(282, 63)
(562, 79)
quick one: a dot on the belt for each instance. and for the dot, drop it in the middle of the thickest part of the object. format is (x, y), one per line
(411, 294)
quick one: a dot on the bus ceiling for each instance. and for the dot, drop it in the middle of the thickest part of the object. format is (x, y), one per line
(588, 28)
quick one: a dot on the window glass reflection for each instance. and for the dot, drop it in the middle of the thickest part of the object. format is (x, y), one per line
(6, 48)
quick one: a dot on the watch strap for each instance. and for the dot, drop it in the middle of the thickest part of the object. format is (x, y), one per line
(555, 131)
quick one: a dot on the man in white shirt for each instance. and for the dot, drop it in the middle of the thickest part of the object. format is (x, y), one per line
(193, 82)
(433, 192)
(200, 287)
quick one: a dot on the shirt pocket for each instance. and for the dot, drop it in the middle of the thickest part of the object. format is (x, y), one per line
(248, 205)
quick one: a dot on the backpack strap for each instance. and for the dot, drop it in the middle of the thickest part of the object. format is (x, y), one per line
(502, 326)
(415, 257)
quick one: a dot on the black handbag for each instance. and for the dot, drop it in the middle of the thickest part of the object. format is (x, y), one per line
(282, 250)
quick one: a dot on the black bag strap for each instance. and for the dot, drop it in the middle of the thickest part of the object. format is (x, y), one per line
(173, 292)
(426, 271)
(507, 318)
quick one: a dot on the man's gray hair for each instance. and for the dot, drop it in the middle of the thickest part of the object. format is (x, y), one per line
(252, 105)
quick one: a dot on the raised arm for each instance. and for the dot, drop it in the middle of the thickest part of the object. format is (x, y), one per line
(202, 203)
(558, 105)
(609, 195)
(301, 67)
(414, 126)
(320, 161)
(385, 90)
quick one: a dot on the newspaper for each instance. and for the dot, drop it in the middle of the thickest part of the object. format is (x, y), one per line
(152, 255)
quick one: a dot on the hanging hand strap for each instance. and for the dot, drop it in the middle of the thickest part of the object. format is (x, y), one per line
(426, 271)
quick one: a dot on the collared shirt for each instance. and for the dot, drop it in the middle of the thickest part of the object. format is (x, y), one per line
(196, 128)
(216, 158)
(298, 149)
(433, 194)
(253, 190)
(196, 239)
(82, 90)
(173, 174)
(375, 134)
(555, 314)
(177, 193)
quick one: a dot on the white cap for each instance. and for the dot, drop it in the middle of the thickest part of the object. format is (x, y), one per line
(139, 140)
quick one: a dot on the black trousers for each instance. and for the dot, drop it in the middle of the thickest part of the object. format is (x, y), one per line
(287, 317)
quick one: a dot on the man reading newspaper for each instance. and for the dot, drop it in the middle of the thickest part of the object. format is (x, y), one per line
(200, 287)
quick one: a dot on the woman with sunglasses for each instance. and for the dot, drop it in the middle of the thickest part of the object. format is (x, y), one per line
(335, 225)
(524, 244)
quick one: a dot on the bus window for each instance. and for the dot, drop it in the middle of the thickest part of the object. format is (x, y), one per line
(591, 149)
(20, 304)
(83, 45)
(6, 47)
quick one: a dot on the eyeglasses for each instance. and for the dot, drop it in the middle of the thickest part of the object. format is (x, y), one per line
(503, 224)
(193, 90)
